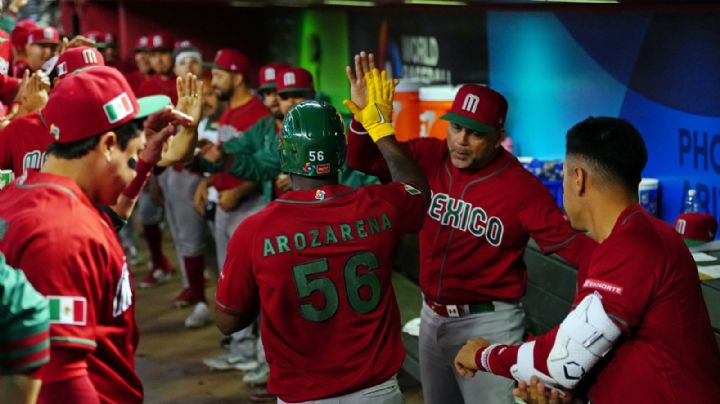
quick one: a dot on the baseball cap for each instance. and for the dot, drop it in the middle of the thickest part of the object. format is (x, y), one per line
(94, 101)
(102, 39)
(43, 35)
(142, 43)
(231, 60)
(478, 108)
(160, 42)
(268, 74)
(19, 34)
(696, 228)
(78, 58)
(294, 79)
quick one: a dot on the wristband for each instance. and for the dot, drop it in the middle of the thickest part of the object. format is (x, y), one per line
(482, 358)
(143, 171)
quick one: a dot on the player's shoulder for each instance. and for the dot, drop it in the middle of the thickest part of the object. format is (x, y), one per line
(31, 120)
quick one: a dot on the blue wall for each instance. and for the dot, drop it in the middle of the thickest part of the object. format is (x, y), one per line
(657, 70)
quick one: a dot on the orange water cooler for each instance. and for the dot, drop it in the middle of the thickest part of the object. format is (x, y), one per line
(406, 110)
(435, 101)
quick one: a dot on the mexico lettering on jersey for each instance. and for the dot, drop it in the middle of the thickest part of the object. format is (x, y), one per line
(478, 222)
(465, 217)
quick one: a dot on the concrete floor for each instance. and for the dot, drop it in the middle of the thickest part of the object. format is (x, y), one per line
(169, 357)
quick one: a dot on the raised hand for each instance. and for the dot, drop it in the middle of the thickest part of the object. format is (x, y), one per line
(364, 63)
(376, 115)
(190, 89)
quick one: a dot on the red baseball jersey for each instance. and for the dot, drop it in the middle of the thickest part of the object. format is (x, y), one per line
(158, 85)
(136, 79)
(75, 260)
(8, 89)
(6, 53)
(232, 123)
(478, 223)
(323, 285)
(23, 143)
(649, 286)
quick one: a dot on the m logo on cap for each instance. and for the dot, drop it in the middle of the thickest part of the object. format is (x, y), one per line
(62, 69)
(118, 108)
(289, 79)
(680, 226)
(89, 57)
(470, 103)
(157, 41)
(48, 33)
(143, 41)
(270, 74)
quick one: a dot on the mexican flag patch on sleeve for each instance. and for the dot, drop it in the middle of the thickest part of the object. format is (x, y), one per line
(412, 190)
(69, 310)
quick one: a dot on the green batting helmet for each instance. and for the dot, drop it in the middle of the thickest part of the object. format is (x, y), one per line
(313, 140)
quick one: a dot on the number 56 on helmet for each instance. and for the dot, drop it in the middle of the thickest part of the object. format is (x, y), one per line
(312, 143)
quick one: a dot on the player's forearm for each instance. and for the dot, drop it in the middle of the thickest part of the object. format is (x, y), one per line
(402, 167)
(258, 167)
(181, 148)
(363, 155)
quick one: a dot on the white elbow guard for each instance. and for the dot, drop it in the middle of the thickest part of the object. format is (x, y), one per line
(585, 336)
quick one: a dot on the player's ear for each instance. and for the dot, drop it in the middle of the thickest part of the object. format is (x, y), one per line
(108, 142)
(238, 79)
(580, 179)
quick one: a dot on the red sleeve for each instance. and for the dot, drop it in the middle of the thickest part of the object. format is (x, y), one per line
(237, 292)
(406, 200)
(549, 227)
(363, 154)
(8, 89)
(624, 282)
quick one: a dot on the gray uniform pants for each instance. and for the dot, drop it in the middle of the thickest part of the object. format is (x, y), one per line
(387, 392)
(187, 227)
(442, 337)
(244, 342)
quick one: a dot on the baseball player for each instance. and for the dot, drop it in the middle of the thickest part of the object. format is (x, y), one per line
(237, 198)
(24, 141)
(322, 282)
(97, 153)
(484, 208)
(24, 320)
(42, 44)
(90, 285)
(160, 47)
(18, 38)
(142, 62)
(639, 331)
(187, 227)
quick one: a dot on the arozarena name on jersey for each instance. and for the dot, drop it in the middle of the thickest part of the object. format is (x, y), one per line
(314, 238)
(464, 216)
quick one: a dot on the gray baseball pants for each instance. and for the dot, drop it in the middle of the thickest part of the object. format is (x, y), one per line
(442, 337)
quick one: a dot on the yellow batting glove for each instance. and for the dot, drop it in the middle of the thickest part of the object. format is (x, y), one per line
(376, 117)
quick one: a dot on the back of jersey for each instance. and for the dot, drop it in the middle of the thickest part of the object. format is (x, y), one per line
(322, 263)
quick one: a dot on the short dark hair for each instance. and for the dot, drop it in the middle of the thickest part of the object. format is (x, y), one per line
(613, 146)
(79, 148)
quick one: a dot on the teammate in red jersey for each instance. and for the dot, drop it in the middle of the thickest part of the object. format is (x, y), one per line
(322, 281)
(144, 71)
(96, 145)
(160, 47)
(484, 208)
(24, 140)
(639, 331)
